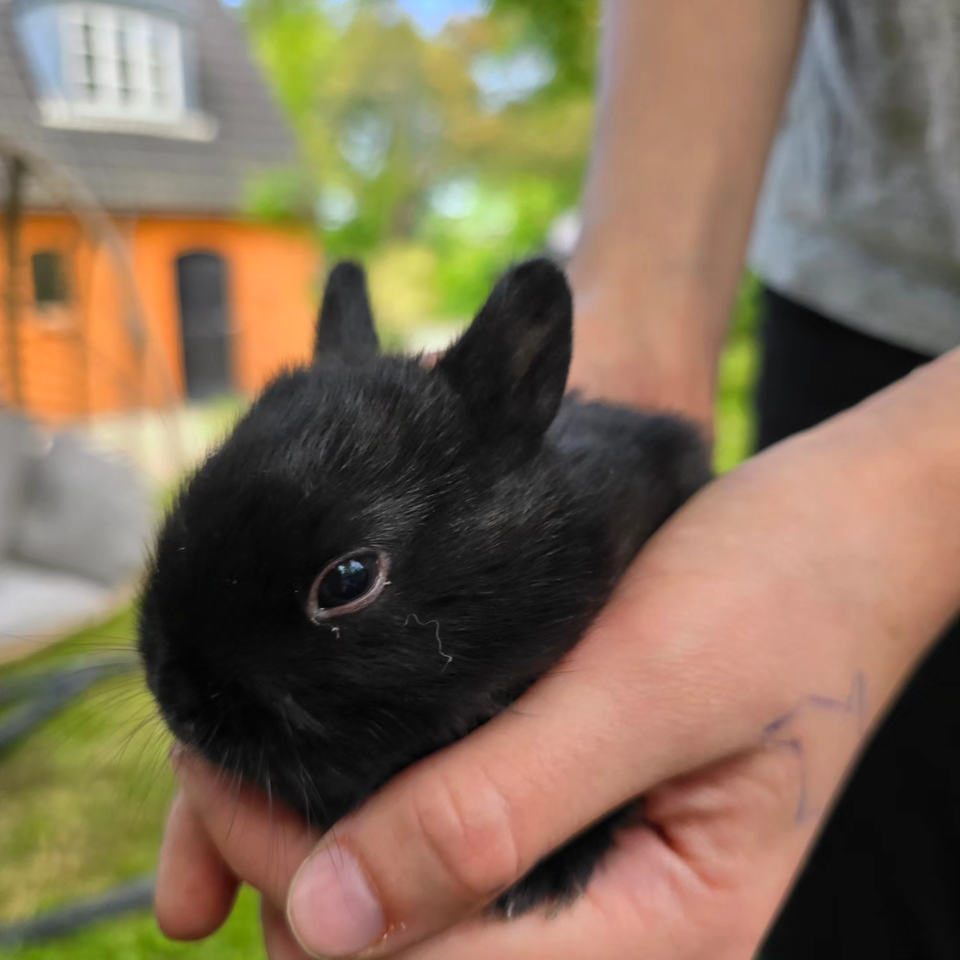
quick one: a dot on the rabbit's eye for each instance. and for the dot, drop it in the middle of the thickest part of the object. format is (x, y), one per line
(347, 584)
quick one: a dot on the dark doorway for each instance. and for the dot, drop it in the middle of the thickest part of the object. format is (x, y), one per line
(49, 278)
(204, 324)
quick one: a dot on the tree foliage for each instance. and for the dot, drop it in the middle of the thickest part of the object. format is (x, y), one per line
(463, 146)
(567, 31)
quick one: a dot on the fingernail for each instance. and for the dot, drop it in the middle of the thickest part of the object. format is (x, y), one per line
(332, 910)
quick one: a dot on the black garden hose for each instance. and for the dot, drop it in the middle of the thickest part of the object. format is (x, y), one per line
(135, 895)
(42, 696)
(45, 695)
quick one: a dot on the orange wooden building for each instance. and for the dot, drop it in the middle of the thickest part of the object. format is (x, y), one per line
(155, 107)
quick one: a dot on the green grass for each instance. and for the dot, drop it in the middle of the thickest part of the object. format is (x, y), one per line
(137, 938)
(82, 802)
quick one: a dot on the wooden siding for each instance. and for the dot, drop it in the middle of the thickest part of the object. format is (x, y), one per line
(77, 359)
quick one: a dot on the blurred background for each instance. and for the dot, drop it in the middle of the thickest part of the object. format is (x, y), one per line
(177, 177)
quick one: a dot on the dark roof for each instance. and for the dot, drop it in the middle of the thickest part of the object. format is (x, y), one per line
(144, 173)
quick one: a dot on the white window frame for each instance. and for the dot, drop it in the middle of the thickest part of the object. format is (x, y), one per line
(93, 54)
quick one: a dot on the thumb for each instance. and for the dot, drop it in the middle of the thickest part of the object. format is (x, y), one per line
(448, 835)
(437, 844)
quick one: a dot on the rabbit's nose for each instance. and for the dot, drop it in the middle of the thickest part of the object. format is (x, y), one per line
(176, 690)
(184, 730)
(183, 696)
(181, 705)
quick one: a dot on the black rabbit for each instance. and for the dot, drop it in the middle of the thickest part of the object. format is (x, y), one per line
(383, 556)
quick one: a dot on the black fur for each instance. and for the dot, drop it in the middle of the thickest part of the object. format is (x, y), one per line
(510, 367)
(345, 326)
(506, 525)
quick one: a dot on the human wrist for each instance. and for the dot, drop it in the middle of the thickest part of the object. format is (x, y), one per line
(642, 335)
(880, 485)
(900, 452)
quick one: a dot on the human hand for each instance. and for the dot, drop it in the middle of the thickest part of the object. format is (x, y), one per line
(730, 681)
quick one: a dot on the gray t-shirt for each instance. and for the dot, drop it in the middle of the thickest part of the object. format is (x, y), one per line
(860, 212)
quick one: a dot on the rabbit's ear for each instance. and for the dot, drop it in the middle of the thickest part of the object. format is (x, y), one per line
(510, 366)
(345, 326)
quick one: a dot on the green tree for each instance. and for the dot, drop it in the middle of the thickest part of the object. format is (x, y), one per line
(566, 30)
(395, 126)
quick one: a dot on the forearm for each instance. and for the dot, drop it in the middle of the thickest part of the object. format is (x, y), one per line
(690, 96)
(824, 566)
(894, 469)
(871, 542)
(859, 522)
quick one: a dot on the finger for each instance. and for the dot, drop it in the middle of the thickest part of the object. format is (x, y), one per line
(590, 928)
(195, 889)
(277, 938)
(260, 840)
(700, 875)
(639, 905)
(448, 835)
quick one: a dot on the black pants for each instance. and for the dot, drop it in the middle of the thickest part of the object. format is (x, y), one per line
(883, 882)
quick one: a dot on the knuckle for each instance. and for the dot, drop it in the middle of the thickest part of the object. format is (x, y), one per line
(470, 834)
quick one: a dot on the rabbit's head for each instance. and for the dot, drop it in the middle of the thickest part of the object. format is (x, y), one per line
(380, 556)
